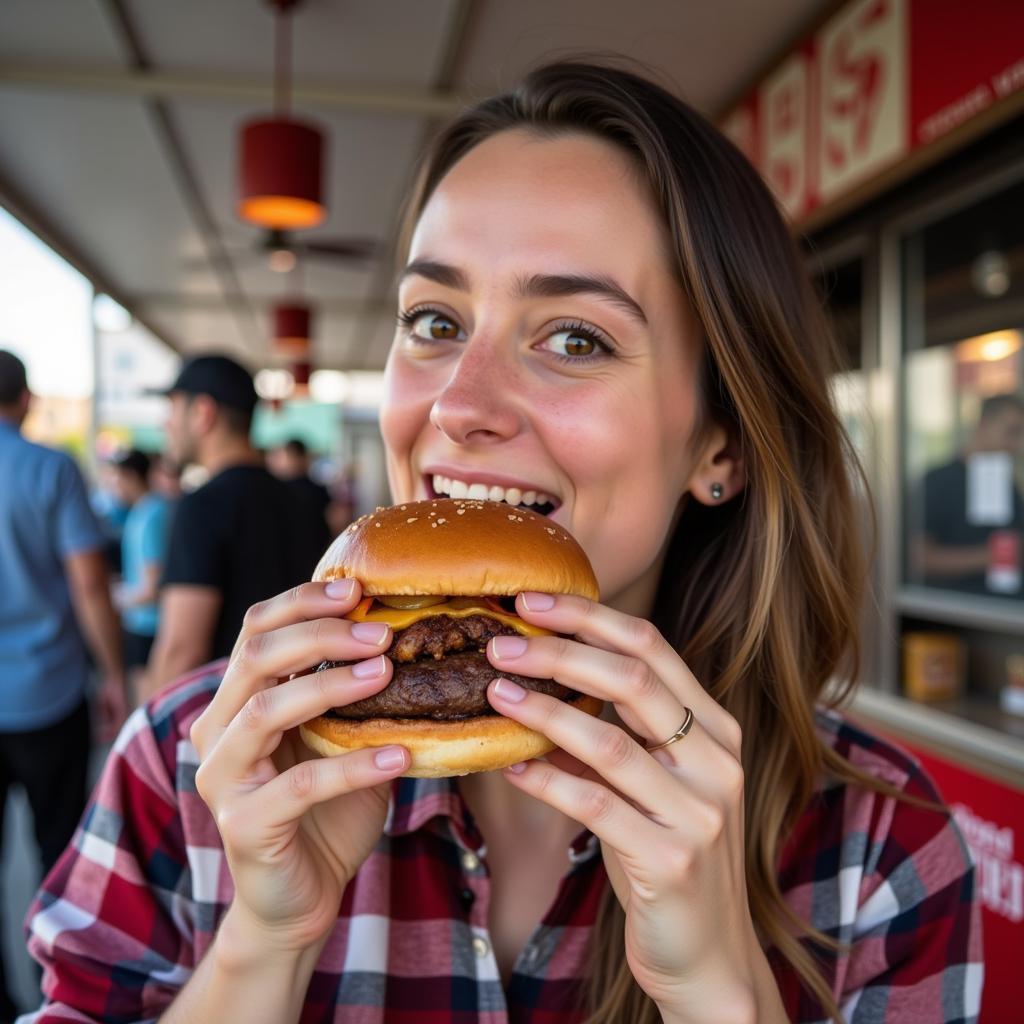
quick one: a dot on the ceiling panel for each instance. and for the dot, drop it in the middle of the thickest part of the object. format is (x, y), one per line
(708, 49)
(341, 339)
(57, 30)
(396, 43)
(211, 329)
(92, 164)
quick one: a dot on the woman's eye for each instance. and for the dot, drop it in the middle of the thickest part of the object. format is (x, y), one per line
(572, 343)
(568, 342)
(576, 343)
(429, 325)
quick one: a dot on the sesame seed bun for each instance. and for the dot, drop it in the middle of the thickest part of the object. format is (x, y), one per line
(458, 547)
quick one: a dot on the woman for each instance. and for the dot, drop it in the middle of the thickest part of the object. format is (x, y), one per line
(600, 301)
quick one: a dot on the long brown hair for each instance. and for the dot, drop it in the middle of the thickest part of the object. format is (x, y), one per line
(761, 597)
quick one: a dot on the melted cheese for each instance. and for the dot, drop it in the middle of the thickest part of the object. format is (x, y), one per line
(457, 608)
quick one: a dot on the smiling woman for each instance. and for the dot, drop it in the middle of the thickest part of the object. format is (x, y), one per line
(600, 316)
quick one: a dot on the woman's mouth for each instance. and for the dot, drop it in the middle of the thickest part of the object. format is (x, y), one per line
(439, 486)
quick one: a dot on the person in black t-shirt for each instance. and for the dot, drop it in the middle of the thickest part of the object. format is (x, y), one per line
(290, 462)
(954, 550)
(237, 540)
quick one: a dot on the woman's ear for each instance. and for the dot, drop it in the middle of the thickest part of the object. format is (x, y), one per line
(720, 472)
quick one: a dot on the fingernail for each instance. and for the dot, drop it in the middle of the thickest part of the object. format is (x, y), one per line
(340, 589)
(370, 632)
(389, 758)
(509, 691)
(508, 647)
(516, 769)
(534, 602)
(369, 669)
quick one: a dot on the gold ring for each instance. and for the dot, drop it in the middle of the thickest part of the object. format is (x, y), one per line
(678, 734)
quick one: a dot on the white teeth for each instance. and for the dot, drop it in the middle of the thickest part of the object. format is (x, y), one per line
(443, 486)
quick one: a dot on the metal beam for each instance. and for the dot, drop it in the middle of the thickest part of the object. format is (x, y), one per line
(249, 89)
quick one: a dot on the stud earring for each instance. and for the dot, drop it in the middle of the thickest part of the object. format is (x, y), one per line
(717, 491)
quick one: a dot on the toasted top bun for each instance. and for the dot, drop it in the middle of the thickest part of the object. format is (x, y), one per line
(458, 547)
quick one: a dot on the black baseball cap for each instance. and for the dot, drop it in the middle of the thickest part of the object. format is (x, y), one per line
(220, 377)
(134, 460)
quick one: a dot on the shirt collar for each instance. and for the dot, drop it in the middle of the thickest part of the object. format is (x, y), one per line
(413, 803)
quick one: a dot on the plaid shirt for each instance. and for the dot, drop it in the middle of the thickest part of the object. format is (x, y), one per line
(134, 903)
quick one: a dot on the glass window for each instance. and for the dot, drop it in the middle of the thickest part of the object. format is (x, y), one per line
(963, 403)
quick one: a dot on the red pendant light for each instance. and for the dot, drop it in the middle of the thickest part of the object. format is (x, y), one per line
(292, 323)
(280, 160)
(301, 371)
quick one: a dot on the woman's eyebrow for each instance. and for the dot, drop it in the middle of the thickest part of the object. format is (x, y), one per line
(534, 286)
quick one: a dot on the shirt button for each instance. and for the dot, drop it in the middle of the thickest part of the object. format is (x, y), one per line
(470, 861)
(481, 946)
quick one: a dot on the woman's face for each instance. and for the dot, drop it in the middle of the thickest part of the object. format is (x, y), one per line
(547, 350)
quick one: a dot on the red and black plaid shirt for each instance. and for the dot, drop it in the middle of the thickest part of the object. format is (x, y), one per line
(134, 903)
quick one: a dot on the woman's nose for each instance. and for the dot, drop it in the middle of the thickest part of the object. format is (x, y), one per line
(479, 402)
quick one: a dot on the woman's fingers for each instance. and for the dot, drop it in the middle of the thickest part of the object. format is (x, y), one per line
(255, 732)
(264, 658)
(257, 817)
(599, 626)
(642, 700)
(271, 656)
(300, 604)
(614, 821)
(609, 751)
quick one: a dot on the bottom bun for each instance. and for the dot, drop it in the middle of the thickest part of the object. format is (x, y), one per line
(439, 749)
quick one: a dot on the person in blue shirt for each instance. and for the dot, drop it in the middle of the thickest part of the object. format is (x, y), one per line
(143, 553)
(56, 619)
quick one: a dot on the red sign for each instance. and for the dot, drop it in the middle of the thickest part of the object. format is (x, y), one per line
(880, 79)
(991, 817)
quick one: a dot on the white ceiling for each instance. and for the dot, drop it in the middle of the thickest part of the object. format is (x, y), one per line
(92, 153)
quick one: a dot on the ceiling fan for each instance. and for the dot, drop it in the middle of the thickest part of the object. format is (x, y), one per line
(281, 250)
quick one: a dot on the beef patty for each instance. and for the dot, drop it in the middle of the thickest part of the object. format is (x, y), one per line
(441, 672)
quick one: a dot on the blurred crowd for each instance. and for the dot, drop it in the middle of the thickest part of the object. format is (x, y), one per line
(108, 594)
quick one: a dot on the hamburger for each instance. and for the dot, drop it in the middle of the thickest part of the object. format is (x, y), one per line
(444, 573)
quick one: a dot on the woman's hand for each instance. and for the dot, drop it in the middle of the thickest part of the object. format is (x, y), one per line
(295, 828)
(670, 821)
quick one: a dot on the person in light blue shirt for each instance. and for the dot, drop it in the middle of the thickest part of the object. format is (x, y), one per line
(56, 619)
(143, 553)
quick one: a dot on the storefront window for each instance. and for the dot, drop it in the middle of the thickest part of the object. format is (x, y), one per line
(964, 400)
